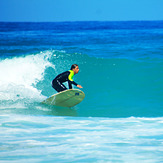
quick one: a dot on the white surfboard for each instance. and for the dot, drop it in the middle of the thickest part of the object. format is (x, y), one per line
(67, 98)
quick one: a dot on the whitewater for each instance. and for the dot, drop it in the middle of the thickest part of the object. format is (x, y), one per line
(121, 117)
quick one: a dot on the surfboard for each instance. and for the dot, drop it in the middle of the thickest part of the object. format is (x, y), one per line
(67, 98)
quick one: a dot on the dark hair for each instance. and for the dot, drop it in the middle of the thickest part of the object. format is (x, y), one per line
(74, 66)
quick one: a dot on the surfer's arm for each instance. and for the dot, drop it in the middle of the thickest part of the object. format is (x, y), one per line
(70, 84)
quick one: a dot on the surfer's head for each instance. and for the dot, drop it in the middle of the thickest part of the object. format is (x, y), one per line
(75, 68)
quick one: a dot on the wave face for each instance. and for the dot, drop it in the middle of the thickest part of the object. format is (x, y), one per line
(113, 87)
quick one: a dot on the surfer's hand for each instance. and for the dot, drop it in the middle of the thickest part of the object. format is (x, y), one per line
(79, 86)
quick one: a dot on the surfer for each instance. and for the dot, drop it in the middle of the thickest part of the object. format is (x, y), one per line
(58, 81)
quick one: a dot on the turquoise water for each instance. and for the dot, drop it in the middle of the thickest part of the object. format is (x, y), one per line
(121, 67)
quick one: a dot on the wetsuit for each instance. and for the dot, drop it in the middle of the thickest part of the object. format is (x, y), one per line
(61, 78)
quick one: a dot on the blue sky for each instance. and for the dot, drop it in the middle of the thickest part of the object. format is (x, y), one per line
(80, 10)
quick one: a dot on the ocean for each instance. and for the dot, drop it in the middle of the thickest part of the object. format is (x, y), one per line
(121, 71)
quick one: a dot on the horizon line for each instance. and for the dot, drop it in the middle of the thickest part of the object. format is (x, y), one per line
(79, 21)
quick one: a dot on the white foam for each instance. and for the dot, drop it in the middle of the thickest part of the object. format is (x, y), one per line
(78, 139)
(20, 75)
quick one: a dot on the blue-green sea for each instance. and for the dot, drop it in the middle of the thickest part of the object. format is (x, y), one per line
(121, 71)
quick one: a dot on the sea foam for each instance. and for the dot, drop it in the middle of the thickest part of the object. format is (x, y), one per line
(19, 76)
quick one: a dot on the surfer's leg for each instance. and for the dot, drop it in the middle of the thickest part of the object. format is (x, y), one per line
(58, 86)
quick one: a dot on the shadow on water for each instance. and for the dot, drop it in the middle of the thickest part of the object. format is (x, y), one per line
(59, 111)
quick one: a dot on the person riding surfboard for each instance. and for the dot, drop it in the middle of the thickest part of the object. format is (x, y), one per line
(58, 81)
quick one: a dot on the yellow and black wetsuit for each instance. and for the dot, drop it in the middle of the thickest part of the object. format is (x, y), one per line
(57, 83)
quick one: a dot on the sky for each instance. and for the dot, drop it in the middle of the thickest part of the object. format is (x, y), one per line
(80, 10)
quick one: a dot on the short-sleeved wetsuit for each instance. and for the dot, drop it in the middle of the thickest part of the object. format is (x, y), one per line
(61, 78)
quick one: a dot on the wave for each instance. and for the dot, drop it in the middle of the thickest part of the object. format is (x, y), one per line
(114, 87)
(19, 76)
